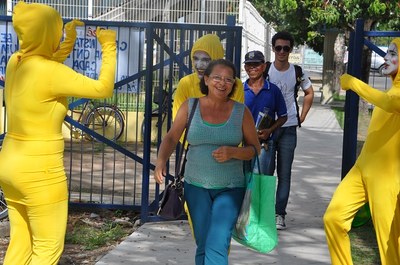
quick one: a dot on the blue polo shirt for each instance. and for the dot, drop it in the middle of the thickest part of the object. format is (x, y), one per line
(269, 96)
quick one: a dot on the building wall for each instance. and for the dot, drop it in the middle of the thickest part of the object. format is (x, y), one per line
(188, 11)
(256, 34)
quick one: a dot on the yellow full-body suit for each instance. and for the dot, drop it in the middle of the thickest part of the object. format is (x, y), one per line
(32, 174)
(189, 86)
(374, 178)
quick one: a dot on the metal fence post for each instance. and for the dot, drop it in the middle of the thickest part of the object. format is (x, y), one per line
(349, 154)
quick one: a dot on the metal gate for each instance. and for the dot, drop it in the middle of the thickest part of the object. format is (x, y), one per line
(358, 39)
(152, 57)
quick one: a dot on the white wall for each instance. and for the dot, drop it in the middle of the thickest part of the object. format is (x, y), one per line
(256, 34)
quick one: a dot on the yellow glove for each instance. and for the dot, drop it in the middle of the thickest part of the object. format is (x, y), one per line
(70, 27)
(69, 41)
(347, 81)
(106, 35)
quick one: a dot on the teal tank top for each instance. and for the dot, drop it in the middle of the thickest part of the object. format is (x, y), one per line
(202, 169)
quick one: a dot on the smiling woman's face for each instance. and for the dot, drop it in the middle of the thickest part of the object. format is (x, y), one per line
(200, 62)
(220, 82)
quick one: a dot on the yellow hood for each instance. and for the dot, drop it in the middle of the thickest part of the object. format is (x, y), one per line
(36, 34)
(211, 44)
(396, 80)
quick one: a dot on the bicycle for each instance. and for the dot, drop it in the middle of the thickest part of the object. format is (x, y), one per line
(105, 119)
(3, 204)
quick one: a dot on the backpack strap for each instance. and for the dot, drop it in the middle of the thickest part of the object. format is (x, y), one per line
(265, 74)
(299, 79)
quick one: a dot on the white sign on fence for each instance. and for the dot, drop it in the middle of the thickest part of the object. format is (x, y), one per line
(86, 55)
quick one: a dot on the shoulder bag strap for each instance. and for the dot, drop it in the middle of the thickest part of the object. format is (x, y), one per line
(182, 149)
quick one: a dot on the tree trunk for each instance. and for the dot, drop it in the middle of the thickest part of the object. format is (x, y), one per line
(338, 58)
(328, 72)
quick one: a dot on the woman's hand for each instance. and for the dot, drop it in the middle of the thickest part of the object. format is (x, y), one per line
(159, 173)
(222, 154)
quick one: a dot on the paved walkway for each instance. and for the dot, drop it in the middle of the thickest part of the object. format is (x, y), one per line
(316, 173)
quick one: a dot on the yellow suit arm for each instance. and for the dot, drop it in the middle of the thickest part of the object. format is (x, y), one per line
(238, 95)
(388, 101)
(68, 44)
(71, 83)
(180, 96)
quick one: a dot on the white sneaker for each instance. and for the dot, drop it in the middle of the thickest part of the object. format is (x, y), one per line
(280, 222)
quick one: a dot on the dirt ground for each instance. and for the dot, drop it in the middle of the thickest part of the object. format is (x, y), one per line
(76, 254)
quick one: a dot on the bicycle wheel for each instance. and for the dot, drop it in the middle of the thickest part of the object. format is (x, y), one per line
(106, 121)
(3, 206)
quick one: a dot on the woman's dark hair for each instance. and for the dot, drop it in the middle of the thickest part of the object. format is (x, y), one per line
(283, 35)
(210, 68)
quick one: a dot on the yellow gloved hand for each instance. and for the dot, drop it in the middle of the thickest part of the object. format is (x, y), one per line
(70, 27)
(106, 35)
(347, 81)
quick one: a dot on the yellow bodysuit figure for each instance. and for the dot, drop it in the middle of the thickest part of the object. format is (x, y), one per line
(375, 176)
(37, 85)
(205, 49)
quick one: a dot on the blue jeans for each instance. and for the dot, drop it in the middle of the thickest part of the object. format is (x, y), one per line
(267, 159)
(285, 141)
(214, 213)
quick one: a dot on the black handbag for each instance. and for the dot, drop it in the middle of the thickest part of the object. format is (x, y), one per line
(172, 202)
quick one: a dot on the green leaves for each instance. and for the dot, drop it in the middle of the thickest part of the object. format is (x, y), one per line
(317, 15)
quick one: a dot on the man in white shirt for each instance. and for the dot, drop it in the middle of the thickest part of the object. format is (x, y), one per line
(284, 75)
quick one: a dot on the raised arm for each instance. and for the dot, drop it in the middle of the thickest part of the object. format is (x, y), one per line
(71, 83)
(388, 101)
(68, 44)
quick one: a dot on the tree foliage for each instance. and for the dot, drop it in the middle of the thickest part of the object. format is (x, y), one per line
(307, 20)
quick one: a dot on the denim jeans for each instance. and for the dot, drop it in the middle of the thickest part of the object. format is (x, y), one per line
(284, 144)
(267, 159)
(214, 213)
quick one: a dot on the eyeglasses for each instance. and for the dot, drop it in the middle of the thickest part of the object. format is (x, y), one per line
(219, 79)
(279, 48)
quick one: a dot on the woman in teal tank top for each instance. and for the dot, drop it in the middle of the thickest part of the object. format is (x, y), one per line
(222, 134)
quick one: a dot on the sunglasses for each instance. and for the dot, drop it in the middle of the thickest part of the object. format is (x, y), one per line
(280, 48)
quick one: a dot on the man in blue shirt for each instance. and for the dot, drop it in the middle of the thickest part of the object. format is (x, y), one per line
(263, 98)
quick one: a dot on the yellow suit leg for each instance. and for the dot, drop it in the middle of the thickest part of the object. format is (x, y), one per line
(42, 242)
(20, 247)
(383, 195)
(348, 198)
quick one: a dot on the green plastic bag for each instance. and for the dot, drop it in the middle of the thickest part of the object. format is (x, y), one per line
(255, 227)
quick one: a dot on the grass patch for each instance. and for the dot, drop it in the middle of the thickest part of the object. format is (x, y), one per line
(91, 237)
(339, 113)
(364, 248)
(338, 97)
(98, 228)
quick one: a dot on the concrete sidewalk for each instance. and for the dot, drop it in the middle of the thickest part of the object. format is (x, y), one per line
(316, 173)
